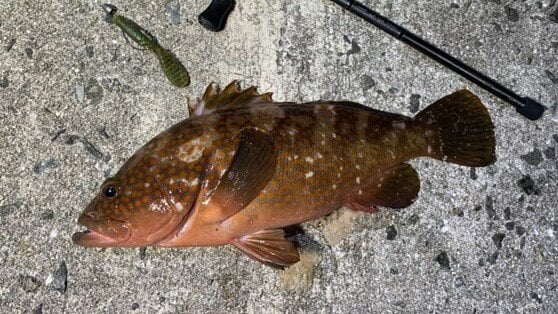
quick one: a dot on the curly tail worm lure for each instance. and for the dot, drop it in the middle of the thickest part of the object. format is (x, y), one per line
(171, 66)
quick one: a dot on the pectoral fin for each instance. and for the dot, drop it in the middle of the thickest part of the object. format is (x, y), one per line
(231, 97)
(269, 247)
(397, 187)
(252, 166)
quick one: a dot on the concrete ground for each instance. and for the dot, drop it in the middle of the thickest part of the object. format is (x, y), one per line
(76, 101)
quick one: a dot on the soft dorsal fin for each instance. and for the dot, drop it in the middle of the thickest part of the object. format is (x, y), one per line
(269, 247)
(231, 97)
(397, 187)
(251, 168)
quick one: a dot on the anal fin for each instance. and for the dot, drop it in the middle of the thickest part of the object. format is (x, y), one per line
(269, 247)
(397, 187)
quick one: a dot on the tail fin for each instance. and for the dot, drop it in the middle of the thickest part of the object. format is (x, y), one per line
(458, 129)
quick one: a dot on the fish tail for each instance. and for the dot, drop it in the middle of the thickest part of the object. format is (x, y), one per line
(458, 129)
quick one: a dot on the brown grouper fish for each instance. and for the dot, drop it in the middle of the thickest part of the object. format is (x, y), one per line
(243, 167)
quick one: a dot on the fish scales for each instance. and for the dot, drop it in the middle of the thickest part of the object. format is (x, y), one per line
(243, 167)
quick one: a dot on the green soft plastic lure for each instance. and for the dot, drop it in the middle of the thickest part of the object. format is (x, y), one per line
(171, 66)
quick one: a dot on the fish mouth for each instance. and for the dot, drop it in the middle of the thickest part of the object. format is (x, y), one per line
(103, 232)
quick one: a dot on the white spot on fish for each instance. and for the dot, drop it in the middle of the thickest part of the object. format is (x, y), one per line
(309, 160)
(292, 132)
(309, 174)
(429, 149)
(322, 134)
(179, 207)
(359, 154)
(341, 168)
(334, 186)
(222, 172)
(359, 192)
(191, 150)
(322, 142)
(334, 135)
(171, 181)
(357, 166)
(358, 180)
(146, 185)
(289, 158)
(319, 156)
(196, 181)
(295, 157)
(339, 175)
(159, 207)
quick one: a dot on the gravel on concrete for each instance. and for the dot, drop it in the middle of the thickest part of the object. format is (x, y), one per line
(76, 100)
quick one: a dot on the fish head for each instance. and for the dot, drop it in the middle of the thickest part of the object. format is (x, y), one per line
(130, 210)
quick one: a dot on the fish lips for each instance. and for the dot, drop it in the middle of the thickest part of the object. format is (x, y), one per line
(103, 232)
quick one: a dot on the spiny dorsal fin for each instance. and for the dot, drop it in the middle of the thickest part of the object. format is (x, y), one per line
(231, 97)
(397, 187)
(269, 247)
(251, 168)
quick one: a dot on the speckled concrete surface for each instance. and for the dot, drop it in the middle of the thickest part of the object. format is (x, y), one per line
(76, 101)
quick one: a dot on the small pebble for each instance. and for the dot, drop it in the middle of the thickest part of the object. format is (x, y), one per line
(536, 297)
(550, 153)
(551, 76)
(443, 260)
(510, 225)
(89, 51)
(173, 9)
(473, 173)
(42, 166)
(4, 82)
(10, 44)
(527, 184)
(493, 258)
(498, 238)
(7, 209)
(507, 213)
(414, 219)
(391, 233)
(29, 53)
(459, 282)
(47, 215)
(520, 230)
(490, 208)
(29, 283)
(60, 281)
(415, 104)
(554, 16)
(38, 309)
(135, 306)
(512, 14)
(80, 92)
(533, 158)
(367, 82)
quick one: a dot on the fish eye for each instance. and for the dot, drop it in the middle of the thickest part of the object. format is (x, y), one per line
(110, 191)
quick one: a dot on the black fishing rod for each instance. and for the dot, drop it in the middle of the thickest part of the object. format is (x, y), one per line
(526, 106)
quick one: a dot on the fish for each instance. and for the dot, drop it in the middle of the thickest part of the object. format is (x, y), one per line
(242, 167)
